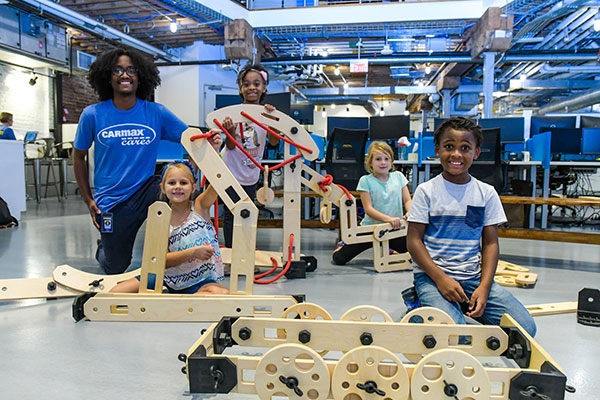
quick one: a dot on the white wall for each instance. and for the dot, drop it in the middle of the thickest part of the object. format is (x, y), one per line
(31, 106)
(190, 91)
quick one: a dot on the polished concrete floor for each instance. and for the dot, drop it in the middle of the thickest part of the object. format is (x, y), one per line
(46, 355)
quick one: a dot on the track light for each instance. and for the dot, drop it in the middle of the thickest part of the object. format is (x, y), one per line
(381, 112)
(173, 26)
(323, 113)
(346, 85)
(406, 112)
(333, 106)
(33, 80)
(427, 69)
(336, 71)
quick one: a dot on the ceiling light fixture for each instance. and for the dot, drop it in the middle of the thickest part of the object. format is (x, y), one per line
(333, 106)
(597, 23)
(406, 112)
(336, 71)
(33, 80)
(324, 113)
(381, 112)
(427, 69)
(346, 85)
(173, 26)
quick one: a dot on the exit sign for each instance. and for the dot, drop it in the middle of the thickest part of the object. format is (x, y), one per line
(359, 67)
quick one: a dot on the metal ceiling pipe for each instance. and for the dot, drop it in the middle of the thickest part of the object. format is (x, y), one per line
(570, 69)
(86, 24)
(576, 102)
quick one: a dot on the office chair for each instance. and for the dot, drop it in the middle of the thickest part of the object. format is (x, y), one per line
(345, 156)
(488, 167)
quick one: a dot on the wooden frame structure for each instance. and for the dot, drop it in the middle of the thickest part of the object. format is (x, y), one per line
(297, 175)
(444, 355)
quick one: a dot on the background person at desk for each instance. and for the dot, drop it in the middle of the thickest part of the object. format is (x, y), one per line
(6, 121)
(126, 130)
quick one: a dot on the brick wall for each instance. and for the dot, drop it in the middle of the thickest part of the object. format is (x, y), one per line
(31, 106)
(77, 95)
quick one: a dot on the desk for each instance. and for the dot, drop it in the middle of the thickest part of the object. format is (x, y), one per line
(12, 184)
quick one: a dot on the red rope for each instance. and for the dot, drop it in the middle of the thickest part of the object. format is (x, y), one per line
(285, 162)
(239, 146)
(271, 131)
(285, 269)
(328, 180)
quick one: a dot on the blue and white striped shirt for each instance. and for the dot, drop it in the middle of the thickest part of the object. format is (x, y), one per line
(455, 216)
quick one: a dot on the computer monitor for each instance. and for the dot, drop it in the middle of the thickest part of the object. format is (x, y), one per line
(564, 140)
(490, 147)
(550, 122)
(589, 122)
(346, 123)
(512, 130)
(389, 127)
(303, 113)
(30, 136)
(281, 101)
(590, 141)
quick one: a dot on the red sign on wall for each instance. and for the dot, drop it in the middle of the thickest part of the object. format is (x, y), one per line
(359, 66)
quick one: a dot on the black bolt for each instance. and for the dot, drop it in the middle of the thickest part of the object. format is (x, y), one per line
(370, 387)
(304, 336)
(202, 331)
(291, 383)
(366, 339)
(294, 130)
(245, 213)
(450, 389)
(245, 333)
(184, 370)
(493, 343)
(96, 282)
(182, 357)
(51, 286)
(516, 351)
(429, 341)
(349, 203)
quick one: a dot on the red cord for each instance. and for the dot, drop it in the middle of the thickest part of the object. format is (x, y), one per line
(271, 131)
(239, 146)
(285, 269)
(274, 261)
(328, 180)
(289, 160)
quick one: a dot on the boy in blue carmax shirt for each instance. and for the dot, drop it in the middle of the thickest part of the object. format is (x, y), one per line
(453, 234)
(126, 130)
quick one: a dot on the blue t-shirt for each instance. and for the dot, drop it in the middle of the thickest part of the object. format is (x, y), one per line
(7, 133)
(386, 197)
(126, 146)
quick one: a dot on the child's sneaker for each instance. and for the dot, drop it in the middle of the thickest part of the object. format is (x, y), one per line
(339, 246)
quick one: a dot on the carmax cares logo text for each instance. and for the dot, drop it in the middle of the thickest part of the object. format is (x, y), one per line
(127, 135)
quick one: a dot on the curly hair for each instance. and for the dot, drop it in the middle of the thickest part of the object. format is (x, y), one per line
(459, 124)
(256, 68)
(101, 71)
(378, 147)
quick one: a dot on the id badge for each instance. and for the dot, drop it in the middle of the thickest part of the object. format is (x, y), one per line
(107, 223)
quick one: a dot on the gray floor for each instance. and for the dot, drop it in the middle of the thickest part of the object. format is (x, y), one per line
(47, 355)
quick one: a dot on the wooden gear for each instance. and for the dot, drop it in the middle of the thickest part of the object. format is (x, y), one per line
(367, 370)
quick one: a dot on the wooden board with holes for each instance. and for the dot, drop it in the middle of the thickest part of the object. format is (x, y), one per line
(33, 288)
(182, 308)
(86, 282)
(156, 246)
(552, 308)
(283, 124)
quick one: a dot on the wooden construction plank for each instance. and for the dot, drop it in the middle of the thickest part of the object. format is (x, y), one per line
(555, 236)
(552, 201)
(156, 246)
(262, 258)
(86, 282)
(291, 205)
(33, 288)
(565, 307)
(182, 308)
(283, 124)
(345, 335)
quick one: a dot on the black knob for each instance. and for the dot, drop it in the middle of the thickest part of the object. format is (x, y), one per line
(493, 343)
(349, 203)
(96, 282)
(366, 339)
(245, 333)
(516, 351)
(182, 357)
(429, 341)
(304, 336)
(294, 130)
(291, 383)
(245, 213)
(184, 370)
(370, 387)
(51, 286)
(450, 389)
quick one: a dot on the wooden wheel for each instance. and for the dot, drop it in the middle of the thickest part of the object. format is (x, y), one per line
(292, 370)
(306, 311)
(369, 372)
(427, 315)
(450, 373)
(366, 314)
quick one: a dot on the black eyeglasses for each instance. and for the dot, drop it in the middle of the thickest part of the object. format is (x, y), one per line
(131, 71)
